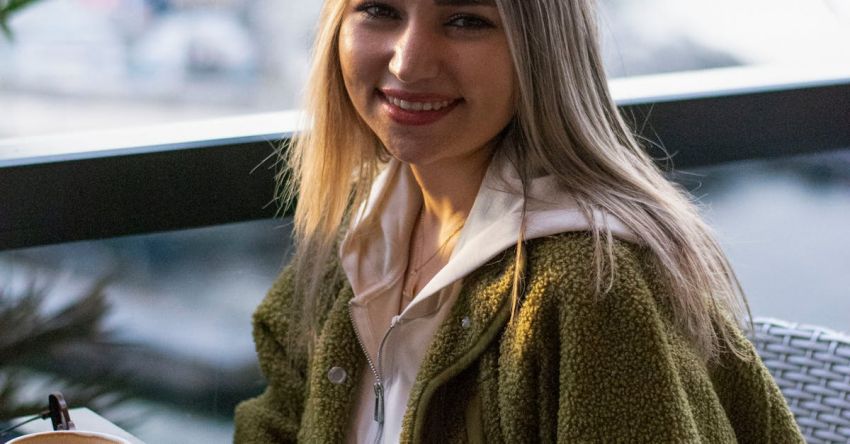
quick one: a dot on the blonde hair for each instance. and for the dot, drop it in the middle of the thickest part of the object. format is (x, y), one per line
(566, 125)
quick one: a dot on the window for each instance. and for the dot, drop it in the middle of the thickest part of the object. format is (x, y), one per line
(180, 307)
(783, 223)
(80, 64)
(657, 36)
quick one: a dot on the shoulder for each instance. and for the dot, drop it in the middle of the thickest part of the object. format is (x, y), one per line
(571, 262)
(278, 298)
(577, 248)
(566, 283)
(621, 312)
(283, 301)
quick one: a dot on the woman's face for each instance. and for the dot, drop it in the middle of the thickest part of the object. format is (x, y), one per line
(432, 78)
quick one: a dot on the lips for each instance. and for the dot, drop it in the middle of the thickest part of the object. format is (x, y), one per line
(416, 109)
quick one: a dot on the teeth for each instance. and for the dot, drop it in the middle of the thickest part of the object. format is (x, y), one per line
(418, 106)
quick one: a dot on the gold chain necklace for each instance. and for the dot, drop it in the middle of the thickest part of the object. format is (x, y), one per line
(417, 267)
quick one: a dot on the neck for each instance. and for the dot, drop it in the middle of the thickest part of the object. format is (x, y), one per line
(448, 193)
(449, 188)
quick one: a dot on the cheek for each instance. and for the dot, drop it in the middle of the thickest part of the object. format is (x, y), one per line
(495, 82)
(505, 76)
(507, 87)
(357, 61)
(348, 57)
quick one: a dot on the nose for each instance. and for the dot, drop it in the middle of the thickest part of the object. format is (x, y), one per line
(416, 55)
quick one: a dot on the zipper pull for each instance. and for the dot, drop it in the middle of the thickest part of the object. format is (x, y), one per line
(379, 403)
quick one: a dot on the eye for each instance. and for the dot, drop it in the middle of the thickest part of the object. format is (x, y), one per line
(374, 10)
(467, 21)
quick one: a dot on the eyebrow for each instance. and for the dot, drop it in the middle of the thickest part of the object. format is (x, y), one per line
(465, 2)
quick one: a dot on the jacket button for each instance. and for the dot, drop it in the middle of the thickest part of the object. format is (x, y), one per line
(465, 323)
(337, 375)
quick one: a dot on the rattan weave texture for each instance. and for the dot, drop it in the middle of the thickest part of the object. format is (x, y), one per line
(811, 365)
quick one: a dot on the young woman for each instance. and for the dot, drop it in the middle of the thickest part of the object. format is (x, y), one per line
(485, 254)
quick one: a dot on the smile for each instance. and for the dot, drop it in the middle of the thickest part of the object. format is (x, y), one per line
(418, 106)
(416, 109)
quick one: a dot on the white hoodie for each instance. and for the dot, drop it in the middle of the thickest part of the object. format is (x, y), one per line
(375, 264)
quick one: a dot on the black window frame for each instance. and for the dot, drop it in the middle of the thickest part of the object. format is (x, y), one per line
(171, 186)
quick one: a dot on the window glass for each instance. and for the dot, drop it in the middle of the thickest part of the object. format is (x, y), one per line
(82, 64)
(175, 339)
(783, 224)
(656, 36)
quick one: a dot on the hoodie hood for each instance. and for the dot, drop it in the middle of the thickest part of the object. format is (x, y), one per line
(374, 262)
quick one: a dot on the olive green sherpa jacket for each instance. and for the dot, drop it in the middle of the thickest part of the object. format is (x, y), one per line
(569, 368)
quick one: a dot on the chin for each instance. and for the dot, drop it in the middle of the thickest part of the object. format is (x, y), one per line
(410, 153)
(409, 157)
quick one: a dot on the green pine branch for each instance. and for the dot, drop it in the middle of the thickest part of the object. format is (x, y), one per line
(30, 334)
(7, 9)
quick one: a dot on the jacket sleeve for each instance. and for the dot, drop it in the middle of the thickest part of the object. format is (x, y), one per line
(275, 415)
(627, 375)
(753, 402)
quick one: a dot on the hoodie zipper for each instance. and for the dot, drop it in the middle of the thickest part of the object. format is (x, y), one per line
(376, 371)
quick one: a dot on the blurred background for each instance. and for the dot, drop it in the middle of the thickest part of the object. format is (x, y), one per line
(171, 311)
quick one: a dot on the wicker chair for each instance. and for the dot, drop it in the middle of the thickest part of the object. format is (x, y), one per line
(811, 365)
